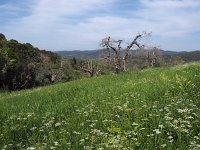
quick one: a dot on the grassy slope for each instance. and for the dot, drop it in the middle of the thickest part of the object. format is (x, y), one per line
(150, 109)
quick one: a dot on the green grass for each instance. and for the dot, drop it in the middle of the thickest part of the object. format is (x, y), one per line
(150, 109)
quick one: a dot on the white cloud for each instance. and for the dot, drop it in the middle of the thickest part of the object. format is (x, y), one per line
(170, 4)
(171, 17)
(81, 24)
(50, 22)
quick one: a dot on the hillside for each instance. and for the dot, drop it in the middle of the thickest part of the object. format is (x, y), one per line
(95, 54)
(24, 66)
(91, 54)
(150, 109)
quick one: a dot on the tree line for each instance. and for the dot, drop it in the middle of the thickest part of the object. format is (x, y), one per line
(23, 66)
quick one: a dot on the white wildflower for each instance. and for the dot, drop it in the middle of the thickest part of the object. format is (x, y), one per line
(117, 116)
(163, 145)
(31, 148)
(168, 118)
(134, 124)
(142, 129)
(75, 132)
(157, 131)
(185, 130)
(190, 117)
(161, 126)
(33, 128)
(170, 137)
(56, 143)
(144, 119)
(52, 147)
(196, 137)
(57, 124)
(82, 141)
(183, 110)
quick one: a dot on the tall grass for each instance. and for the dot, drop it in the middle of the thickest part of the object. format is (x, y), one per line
(150, 109)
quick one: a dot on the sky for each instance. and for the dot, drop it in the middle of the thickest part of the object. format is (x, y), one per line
(81, 24)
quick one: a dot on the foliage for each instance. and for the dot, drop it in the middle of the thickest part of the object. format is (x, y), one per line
(149, 109)
(24, 66)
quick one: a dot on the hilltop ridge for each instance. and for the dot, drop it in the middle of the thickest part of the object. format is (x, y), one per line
(96, 54)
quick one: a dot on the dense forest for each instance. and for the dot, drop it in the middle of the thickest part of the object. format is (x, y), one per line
(24, 66)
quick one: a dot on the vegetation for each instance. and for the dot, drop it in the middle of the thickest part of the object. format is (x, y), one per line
(149, 109)
(139, 59)
(23, 66)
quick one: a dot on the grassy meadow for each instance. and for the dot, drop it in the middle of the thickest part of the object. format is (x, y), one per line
(149, 109)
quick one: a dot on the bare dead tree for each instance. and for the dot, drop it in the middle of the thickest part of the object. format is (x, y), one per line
(149, 56)
(154, 54)
(90, 67)
(114, 51)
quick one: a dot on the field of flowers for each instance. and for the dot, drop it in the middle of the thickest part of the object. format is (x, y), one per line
(149, 109)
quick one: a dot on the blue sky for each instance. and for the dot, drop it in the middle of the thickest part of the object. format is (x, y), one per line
(81, 24)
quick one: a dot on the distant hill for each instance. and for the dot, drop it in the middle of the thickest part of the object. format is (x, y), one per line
(94, 54)
(189, 56)
(80, 54)
(97, 53)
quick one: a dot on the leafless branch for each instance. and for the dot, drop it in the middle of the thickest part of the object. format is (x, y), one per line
(120, 60)
(90, 68)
